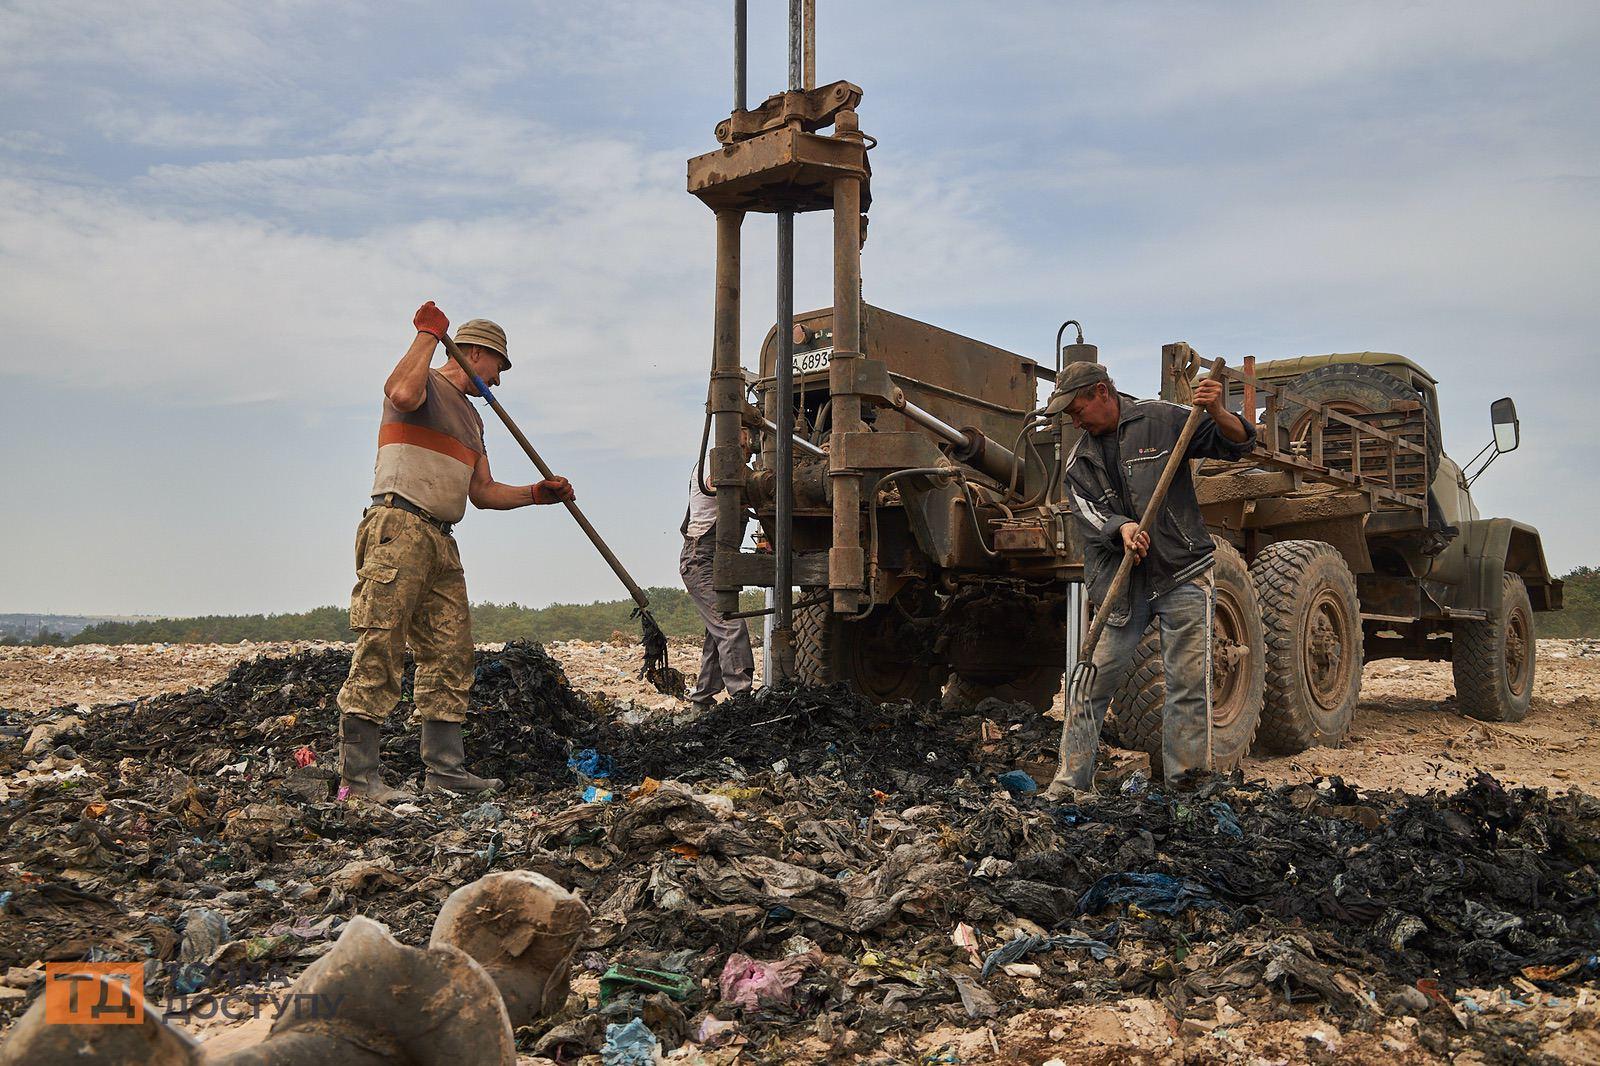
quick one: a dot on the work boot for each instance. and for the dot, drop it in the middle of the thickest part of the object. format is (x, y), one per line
(360, 769)
(443, 753)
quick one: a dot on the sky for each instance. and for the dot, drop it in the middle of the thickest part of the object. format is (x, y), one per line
(216, 220)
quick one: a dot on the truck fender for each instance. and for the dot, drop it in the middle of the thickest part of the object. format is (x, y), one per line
(1494, 546)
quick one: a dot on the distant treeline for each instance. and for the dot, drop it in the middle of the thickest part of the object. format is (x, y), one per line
(491, 622)
(1580, 614)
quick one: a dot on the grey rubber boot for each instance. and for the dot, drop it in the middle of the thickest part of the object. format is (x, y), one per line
(444, 753)
(360, 768)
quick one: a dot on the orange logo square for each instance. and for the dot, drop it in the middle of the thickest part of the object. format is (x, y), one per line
(93, 993)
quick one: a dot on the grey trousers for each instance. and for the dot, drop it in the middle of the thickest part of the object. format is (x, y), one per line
(725, 658)
(1185, 614)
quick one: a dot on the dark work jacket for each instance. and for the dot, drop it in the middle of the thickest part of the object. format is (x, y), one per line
(1180, 546)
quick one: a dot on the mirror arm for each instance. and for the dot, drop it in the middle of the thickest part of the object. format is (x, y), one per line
(1493, 455)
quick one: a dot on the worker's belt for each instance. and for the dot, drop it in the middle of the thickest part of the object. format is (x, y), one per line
(389, 499)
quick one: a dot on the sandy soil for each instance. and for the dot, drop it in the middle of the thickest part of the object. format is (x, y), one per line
(1407, 734)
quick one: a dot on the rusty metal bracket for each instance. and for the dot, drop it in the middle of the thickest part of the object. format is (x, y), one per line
(809, 110)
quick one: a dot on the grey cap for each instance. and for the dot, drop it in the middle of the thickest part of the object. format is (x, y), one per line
(1074, 377)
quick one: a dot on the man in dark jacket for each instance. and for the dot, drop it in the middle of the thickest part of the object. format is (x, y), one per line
(1111, 474)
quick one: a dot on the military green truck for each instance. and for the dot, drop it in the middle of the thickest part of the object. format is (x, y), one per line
(934, 549)
(1346, 535)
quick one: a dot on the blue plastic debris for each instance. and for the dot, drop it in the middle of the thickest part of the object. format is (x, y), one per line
(1017, 781)
(590, 763)
(1137, 782)
(629, 1045)
(593, 794)
(1156, 893)
(1071, 815)
(1227, 821)
(5, 899)
(1027, 945)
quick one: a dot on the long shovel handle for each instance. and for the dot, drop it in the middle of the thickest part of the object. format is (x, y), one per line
(578, 516)
(1174, 462)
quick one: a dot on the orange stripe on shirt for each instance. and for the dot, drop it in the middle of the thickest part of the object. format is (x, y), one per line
(423, 437)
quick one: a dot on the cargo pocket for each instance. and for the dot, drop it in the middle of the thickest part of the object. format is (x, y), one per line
(375, 602)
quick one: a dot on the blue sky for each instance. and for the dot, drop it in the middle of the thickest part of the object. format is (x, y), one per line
(216, 220)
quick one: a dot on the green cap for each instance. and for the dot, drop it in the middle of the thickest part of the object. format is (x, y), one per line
(1073, 378)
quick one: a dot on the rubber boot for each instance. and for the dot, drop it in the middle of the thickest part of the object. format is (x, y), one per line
(444, 753)
(523, 928)
(360, 768)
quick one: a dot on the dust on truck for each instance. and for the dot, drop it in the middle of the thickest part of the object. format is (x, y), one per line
(933, 545)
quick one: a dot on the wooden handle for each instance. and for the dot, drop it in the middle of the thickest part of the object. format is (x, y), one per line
(583, 522)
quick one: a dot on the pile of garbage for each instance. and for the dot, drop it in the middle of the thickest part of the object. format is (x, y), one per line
(797, 873)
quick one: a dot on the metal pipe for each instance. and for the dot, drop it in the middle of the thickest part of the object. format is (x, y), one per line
(796, 31)
(811, 44)
(972, 447)
(783, 541)
(799, 441)
(932, 423)
(846, 559)
(727, 402)
(740, 53)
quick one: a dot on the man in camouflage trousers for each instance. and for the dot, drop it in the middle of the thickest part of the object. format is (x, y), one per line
(409, 586)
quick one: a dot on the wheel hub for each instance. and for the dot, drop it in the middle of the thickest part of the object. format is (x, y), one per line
(1517, 651)
(1229, 662)
(1326, 664)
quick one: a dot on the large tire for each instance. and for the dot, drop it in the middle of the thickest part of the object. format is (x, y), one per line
(1312, 620)
(1135, 716)
(865, 655)
(1493, 660)
(1039, 687)
(1356, 388)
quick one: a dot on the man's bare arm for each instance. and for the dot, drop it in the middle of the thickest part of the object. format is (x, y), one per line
(1208, 396)
(407, 386)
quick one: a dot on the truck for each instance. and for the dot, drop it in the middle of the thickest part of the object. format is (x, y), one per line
(934, 550)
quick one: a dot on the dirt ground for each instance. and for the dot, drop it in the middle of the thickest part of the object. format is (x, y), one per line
(1408, 733)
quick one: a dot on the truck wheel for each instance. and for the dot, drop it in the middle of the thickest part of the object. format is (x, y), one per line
(866, 655)
(1312, 620)
(1039, 687)
(1494, 659)
(1134, 718)
(1359, 389)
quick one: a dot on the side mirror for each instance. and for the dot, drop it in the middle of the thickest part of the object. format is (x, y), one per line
(1507, 430)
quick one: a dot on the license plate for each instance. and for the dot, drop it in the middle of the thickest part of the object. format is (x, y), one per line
(812, 361)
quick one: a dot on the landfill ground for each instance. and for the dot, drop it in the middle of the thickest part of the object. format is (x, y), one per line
(1427, 893)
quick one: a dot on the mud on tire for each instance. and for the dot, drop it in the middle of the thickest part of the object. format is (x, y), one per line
(1135, 716)
(1493, 660)
(1312, 621)
(867, 655)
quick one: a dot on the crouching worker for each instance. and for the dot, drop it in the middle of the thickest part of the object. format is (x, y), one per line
(726, 661)
(1111, 474)
(409, 586)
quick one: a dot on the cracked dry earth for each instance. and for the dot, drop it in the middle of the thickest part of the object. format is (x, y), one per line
(906, 990)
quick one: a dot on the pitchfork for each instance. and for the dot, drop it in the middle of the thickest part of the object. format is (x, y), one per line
(1077, 731)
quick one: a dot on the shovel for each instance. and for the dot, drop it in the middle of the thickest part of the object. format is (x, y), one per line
(655, 670)
(1077, 729)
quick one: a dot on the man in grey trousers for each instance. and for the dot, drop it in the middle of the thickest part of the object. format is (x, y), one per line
(726, 661)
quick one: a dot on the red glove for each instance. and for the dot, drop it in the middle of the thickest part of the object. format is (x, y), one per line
(553, 490)
(429, 319)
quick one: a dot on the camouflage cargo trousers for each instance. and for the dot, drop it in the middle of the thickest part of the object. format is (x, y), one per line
(409, 590)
